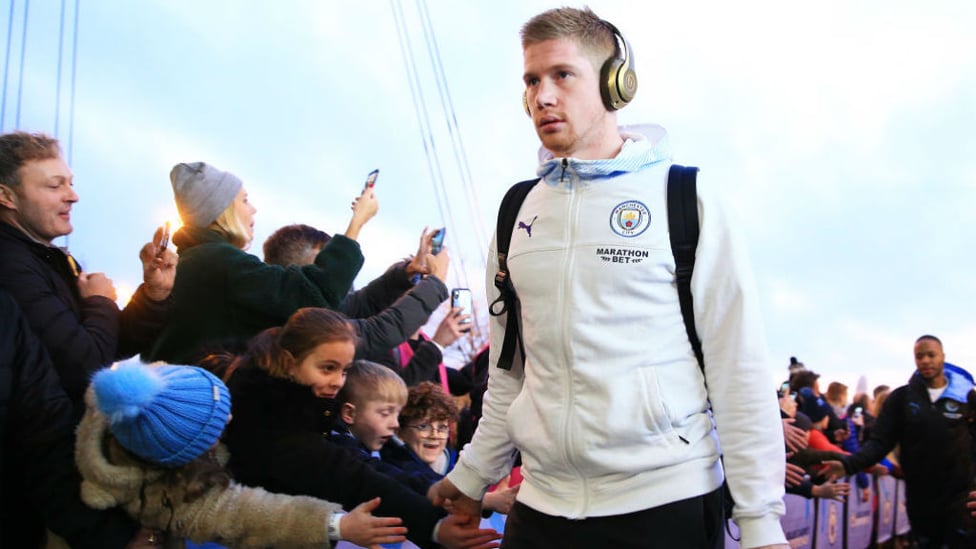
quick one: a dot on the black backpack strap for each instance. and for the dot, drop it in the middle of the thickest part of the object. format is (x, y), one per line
(508, 301)
(683, 228)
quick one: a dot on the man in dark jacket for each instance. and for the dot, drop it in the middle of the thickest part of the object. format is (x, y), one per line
(72, 312)
(37, 452)
(932, 419)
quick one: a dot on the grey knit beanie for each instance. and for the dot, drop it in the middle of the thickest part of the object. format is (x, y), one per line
(202, 192)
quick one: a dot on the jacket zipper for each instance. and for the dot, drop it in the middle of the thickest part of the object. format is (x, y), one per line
(568, 432)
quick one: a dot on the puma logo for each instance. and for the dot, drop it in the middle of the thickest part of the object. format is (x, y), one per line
(527, 227)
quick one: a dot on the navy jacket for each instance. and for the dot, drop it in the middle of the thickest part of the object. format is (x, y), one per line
(938, 445)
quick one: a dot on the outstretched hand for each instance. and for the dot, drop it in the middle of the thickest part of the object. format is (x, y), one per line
(359, 526)
(835, 469)
(158, 266)
(462, 532)
(444, 494)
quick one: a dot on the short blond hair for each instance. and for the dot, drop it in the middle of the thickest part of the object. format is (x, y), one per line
(231, 227)
(582, 26)
(371, 382)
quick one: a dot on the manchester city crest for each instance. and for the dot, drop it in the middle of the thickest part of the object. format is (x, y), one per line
(630, 219)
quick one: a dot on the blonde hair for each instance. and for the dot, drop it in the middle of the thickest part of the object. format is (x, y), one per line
(582, 26)
(371, 382)
(230, 226)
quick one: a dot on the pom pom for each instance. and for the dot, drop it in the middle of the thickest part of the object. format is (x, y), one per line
(124, 390)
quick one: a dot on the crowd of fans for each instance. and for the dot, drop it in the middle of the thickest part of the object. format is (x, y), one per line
(321, 394)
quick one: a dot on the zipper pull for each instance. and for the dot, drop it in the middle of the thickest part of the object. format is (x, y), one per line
(562, 176)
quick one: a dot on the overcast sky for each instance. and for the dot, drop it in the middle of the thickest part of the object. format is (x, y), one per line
(841, 132)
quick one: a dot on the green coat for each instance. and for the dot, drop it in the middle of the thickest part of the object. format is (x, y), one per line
(223, 296)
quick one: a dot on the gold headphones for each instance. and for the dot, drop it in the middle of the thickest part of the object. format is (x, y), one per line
(618, 79)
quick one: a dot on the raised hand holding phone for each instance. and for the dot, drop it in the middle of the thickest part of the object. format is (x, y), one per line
(371, 179)
(437, 241)
(461, 299)
(364, 207)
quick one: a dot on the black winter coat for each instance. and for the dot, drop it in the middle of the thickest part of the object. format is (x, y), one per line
(39, 484)
(80, 335)
(938, 451)
(278, 440)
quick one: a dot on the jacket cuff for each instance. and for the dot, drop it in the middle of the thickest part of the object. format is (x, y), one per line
(759, 532)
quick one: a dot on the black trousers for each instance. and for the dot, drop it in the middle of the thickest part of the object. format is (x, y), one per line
(693, 523)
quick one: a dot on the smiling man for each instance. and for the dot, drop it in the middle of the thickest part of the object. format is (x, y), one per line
(72, 311)
(932, 419)
(609, 408)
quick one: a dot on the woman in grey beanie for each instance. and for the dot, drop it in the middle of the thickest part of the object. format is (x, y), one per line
(223, 295)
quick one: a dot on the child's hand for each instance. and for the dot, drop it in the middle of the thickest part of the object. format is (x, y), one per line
(359, 526)
(502, 498)
(462, 532)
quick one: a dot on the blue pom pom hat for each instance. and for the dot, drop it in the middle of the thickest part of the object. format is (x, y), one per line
(166, 414)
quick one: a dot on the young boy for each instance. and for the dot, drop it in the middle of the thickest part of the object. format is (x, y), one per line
(369, 407)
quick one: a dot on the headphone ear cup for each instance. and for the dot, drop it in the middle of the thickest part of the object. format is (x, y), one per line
(525, 103)
(609, 90)
(626, 84)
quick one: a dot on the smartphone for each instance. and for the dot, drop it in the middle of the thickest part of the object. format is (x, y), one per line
(437, 243)
(371, 179)
(784, 388)
(164, 241)
(461, 297)
(857, 412)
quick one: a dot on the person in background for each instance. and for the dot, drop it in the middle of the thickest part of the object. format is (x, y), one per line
(284, 389)
(932, 419)
(836, 396)
(37, 429)
(148, 443)
(421, 445)
(223, 296)
(390, 308)
(71, 310)
(799, 456)
(609, 407)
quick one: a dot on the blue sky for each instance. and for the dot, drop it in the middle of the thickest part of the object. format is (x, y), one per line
(840, 132)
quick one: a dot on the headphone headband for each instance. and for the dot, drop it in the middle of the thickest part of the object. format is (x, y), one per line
(618, 79)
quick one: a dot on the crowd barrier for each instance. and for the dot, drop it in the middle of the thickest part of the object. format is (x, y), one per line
(831, 524)
(811, 523)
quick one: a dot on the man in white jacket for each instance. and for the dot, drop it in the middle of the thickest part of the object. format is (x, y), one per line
(609, 407)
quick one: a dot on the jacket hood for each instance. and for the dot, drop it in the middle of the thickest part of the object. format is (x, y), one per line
(960, 382)
(644, 145)
(106, 484)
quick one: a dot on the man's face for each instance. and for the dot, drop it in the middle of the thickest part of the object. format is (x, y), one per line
(41, 205)
(929, 359)
(375, 423)
(563, 96)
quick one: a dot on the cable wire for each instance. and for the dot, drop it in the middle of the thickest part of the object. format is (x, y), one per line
(23, 56)
(6, 67)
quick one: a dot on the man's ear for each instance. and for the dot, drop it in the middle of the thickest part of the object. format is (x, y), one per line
(8, 198)
(348, 413)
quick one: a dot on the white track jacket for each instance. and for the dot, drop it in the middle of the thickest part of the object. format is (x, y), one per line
(609, 408)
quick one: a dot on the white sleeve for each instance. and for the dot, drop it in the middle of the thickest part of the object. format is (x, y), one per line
(738, 374)
(488, 457)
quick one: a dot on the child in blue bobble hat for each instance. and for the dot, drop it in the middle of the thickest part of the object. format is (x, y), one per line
(149, 443)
